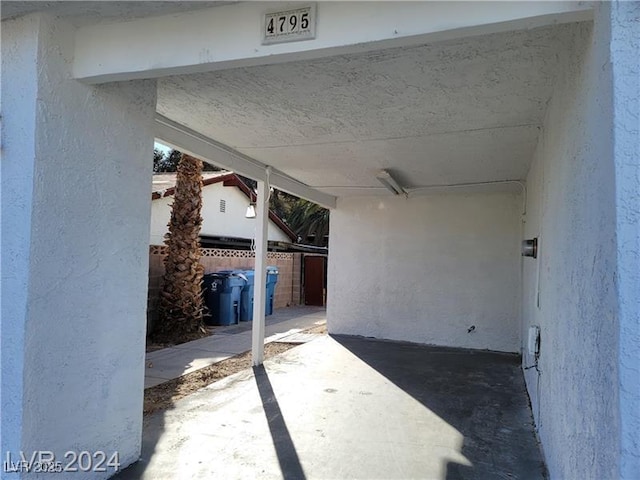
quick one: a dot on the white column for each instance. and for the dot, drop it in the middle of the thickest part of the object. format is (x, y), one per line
(260, 279)
(76, 175)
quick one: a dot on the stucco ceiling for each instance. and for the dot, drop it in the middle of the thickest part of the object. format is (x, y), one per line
(453, 112)
(91, 12)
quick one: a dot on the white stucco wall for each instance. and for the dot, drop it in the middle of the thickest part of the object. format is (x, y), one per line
(75, 225)
(425, 269)
(625, 58)
(231, 223)
(570, 291)
(19, 53)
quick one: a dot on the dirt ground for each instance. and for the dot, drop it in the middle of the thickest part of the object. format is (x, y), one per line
(152, 346)
(164, 395)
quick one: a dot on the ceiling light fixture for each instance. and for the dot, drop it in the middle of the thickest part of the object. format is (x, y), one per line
(390, 183)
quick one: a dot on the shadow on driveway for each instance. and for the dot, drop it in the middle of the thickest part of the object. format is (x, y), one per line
(480, 393)
(290, 465)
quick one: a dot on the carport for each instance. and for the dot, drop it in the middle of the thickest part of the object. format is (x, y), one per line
(453, 118)
(495, 125)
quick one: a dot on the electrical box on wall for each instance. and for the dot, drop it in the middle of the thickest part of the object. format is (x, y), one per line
(533, 345)
(530, 248)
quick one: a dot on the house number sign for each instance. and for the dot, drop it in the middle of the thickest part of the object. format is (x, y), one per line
(290, 25)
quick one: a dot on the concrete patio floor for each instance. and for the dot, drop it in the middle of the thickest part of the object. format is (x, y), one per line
(345, 408)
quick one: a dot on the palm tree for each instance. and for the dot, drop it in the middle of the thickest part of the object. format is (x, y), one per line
(309, 219)
(181, 300)
(281, 202)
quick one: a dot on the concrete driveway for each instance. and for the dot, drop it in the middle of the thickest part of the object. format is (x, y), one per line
(345, 408)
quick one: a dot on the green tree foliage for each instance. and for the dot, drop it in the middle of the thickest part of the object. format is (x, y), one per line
(282, 203)
(158, 156)
(310, 221)
(168, 163)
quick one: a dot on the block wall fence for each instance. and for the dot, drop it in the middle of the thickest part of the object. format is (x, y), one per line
(288, 288)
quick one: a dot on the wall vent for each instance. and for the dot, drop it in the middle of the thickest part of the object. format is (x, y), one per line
(223, 206)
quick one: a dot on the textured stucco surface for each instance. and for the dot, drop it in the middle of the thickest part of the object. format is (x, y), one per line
(425, 269)
(625, 58)
(571, 208)
(91, 12)
(80, 290)
(19, 92)
(464, 110)
(231, 223)
(77, 210)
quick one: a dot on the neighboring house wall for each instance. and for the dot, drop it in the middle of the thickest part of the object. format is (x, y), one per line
(569, 290)
(231, 223)
(425, 269)
(74, 276)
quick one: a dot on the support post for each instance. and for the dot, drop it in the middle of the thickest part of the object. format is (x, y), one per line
(260, 279)
(75, 251)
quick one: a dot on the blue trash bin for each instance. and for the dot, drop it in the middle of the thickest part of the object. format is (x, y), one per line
(222, 291)
(272, 280)
(212, 287)
(246, 303)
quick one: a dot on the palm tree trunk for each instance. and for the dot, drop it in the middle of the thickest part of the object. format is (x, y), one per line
(181, 299)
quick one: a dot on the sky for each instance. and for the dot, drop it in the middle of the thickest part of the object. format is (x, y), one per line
(161, 147)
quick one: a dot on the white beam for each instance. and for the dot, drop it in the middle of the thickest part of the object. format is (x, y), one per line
(189, 141)
(260, 277)
(230, 36)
